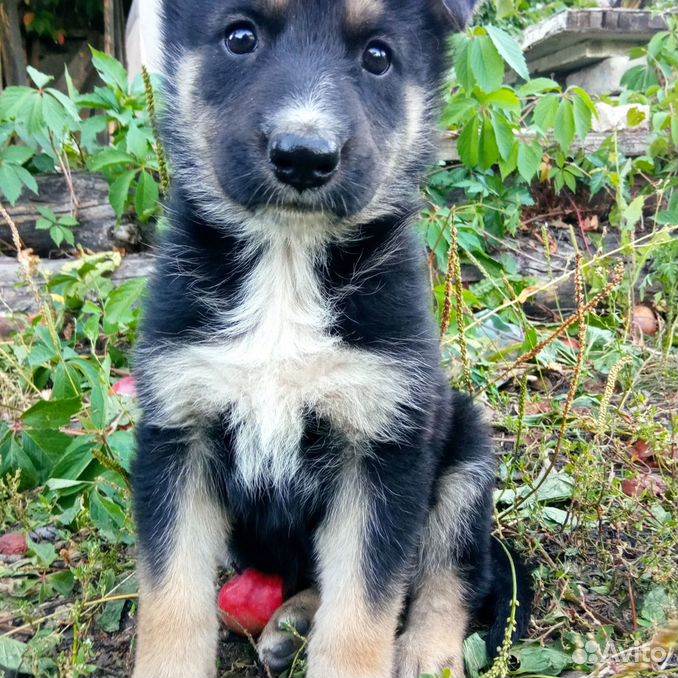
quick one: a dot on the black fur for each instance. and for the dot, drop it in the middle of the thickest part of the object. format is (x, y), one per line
(373, 275)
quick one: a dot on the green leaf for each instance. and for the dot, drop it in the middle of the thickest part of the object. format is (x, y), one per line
(657, 606)
(582, 94)
(17, 154)
(67, 104)
(58, 484)
(11, 653)
(57, 235)
(26, 178)
(504, 98)
(70, 87)
(582, 118)
(489, 153)
(545, 111)
(107, 516)
(633, 211)
(537, 86)
(44, 553)
(110, 70)
(119, 191)
(544, 660)
(89, 130)
(457, 111)
(503, 132)
(62, 582)
(462, 61)
(635, 116)
(110, 157)
(14, 102)
(509, 49)
(504, 8)
(147, 196)
(529, 159)
(639, 78)
(137, 141)
(475, 655)
(53, 443)
(40, 79)
(51, 414)
(35, 121)
(486, 64)
(14, 458)
(564, 128)
(508, 165)
(121, 301)
(10, 185)
(468, 143)
(110, 617)
(74, 461)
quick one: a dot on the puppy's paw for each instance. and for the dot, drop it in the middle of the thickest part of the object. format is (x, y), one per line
(277, 646)
(415, 656)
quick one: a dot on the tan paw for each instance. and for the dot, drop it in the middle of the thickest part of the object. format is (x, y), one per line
(416, 657)
(277, 647)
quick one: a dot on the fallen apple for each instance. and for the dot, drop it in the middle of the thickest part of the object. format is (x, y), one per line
(645, 320)
(127, 387)
(13, 544)
(248, 601)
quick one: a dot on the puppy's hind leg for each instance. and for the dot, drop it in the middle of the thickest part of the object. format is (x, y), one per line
(436, 625)
(181, 538)
(454, 552)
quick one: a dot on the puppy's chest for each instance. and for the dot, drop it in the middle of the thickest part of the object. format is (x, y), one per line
(272, 364)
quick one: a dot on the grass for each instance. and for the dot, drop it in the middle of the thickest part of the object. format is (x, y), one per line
(584, 411)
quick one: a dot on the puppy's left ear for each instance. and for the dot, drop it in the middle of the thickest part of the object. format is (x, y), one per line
(456, 13)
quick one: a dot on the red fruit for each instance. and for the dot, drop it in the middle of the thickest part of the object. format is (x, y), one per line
(13, 544)
(644, 320)
(249, 600)
(127, 386)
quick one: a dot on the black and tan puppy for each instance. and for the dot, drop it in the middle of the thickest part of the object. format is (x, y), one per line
(294, 410)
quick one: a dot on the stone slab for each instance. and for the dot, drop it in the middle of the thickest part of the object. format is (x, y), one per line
(576, 39)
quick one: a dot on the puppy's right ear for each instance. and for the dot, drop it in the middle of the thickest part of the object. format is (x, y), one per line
(455, 13)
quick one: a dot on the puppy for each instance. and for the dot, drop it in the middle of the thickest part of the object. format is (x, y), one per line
(294, 410)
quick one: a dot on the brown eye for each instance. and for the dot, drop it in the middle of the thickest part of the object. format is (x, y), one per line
(241, 38)
(377, 58)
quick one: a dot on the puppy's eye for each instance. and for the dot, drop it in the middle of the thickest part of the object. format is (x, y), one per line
(241, 38)
(377, 58)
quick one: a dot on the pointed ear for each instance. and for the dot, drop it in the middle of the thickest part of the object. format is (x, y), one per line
(456, 13)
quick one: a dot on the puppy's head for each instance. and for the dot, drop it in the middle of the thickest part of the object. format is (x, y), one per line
(321, 110)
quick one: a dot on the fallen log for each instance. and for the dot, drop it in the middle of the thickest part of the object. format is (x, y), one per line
(526, 249)
(98, 230)
(16, 297)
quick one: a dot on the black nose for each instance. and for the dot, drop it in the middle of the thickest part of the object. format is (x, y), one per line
(303, 162)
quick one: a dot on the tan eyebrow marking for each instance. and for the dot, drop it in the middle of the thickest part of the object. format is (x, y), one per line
(361, 12)
(277, 7)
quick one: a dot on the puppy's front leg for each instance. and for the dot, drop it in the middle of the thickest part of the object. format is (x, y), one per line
(182, 532)
(361, 576)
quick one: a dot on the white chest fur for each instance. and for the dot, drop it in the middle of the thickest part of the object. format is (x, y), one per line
(271, 361)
